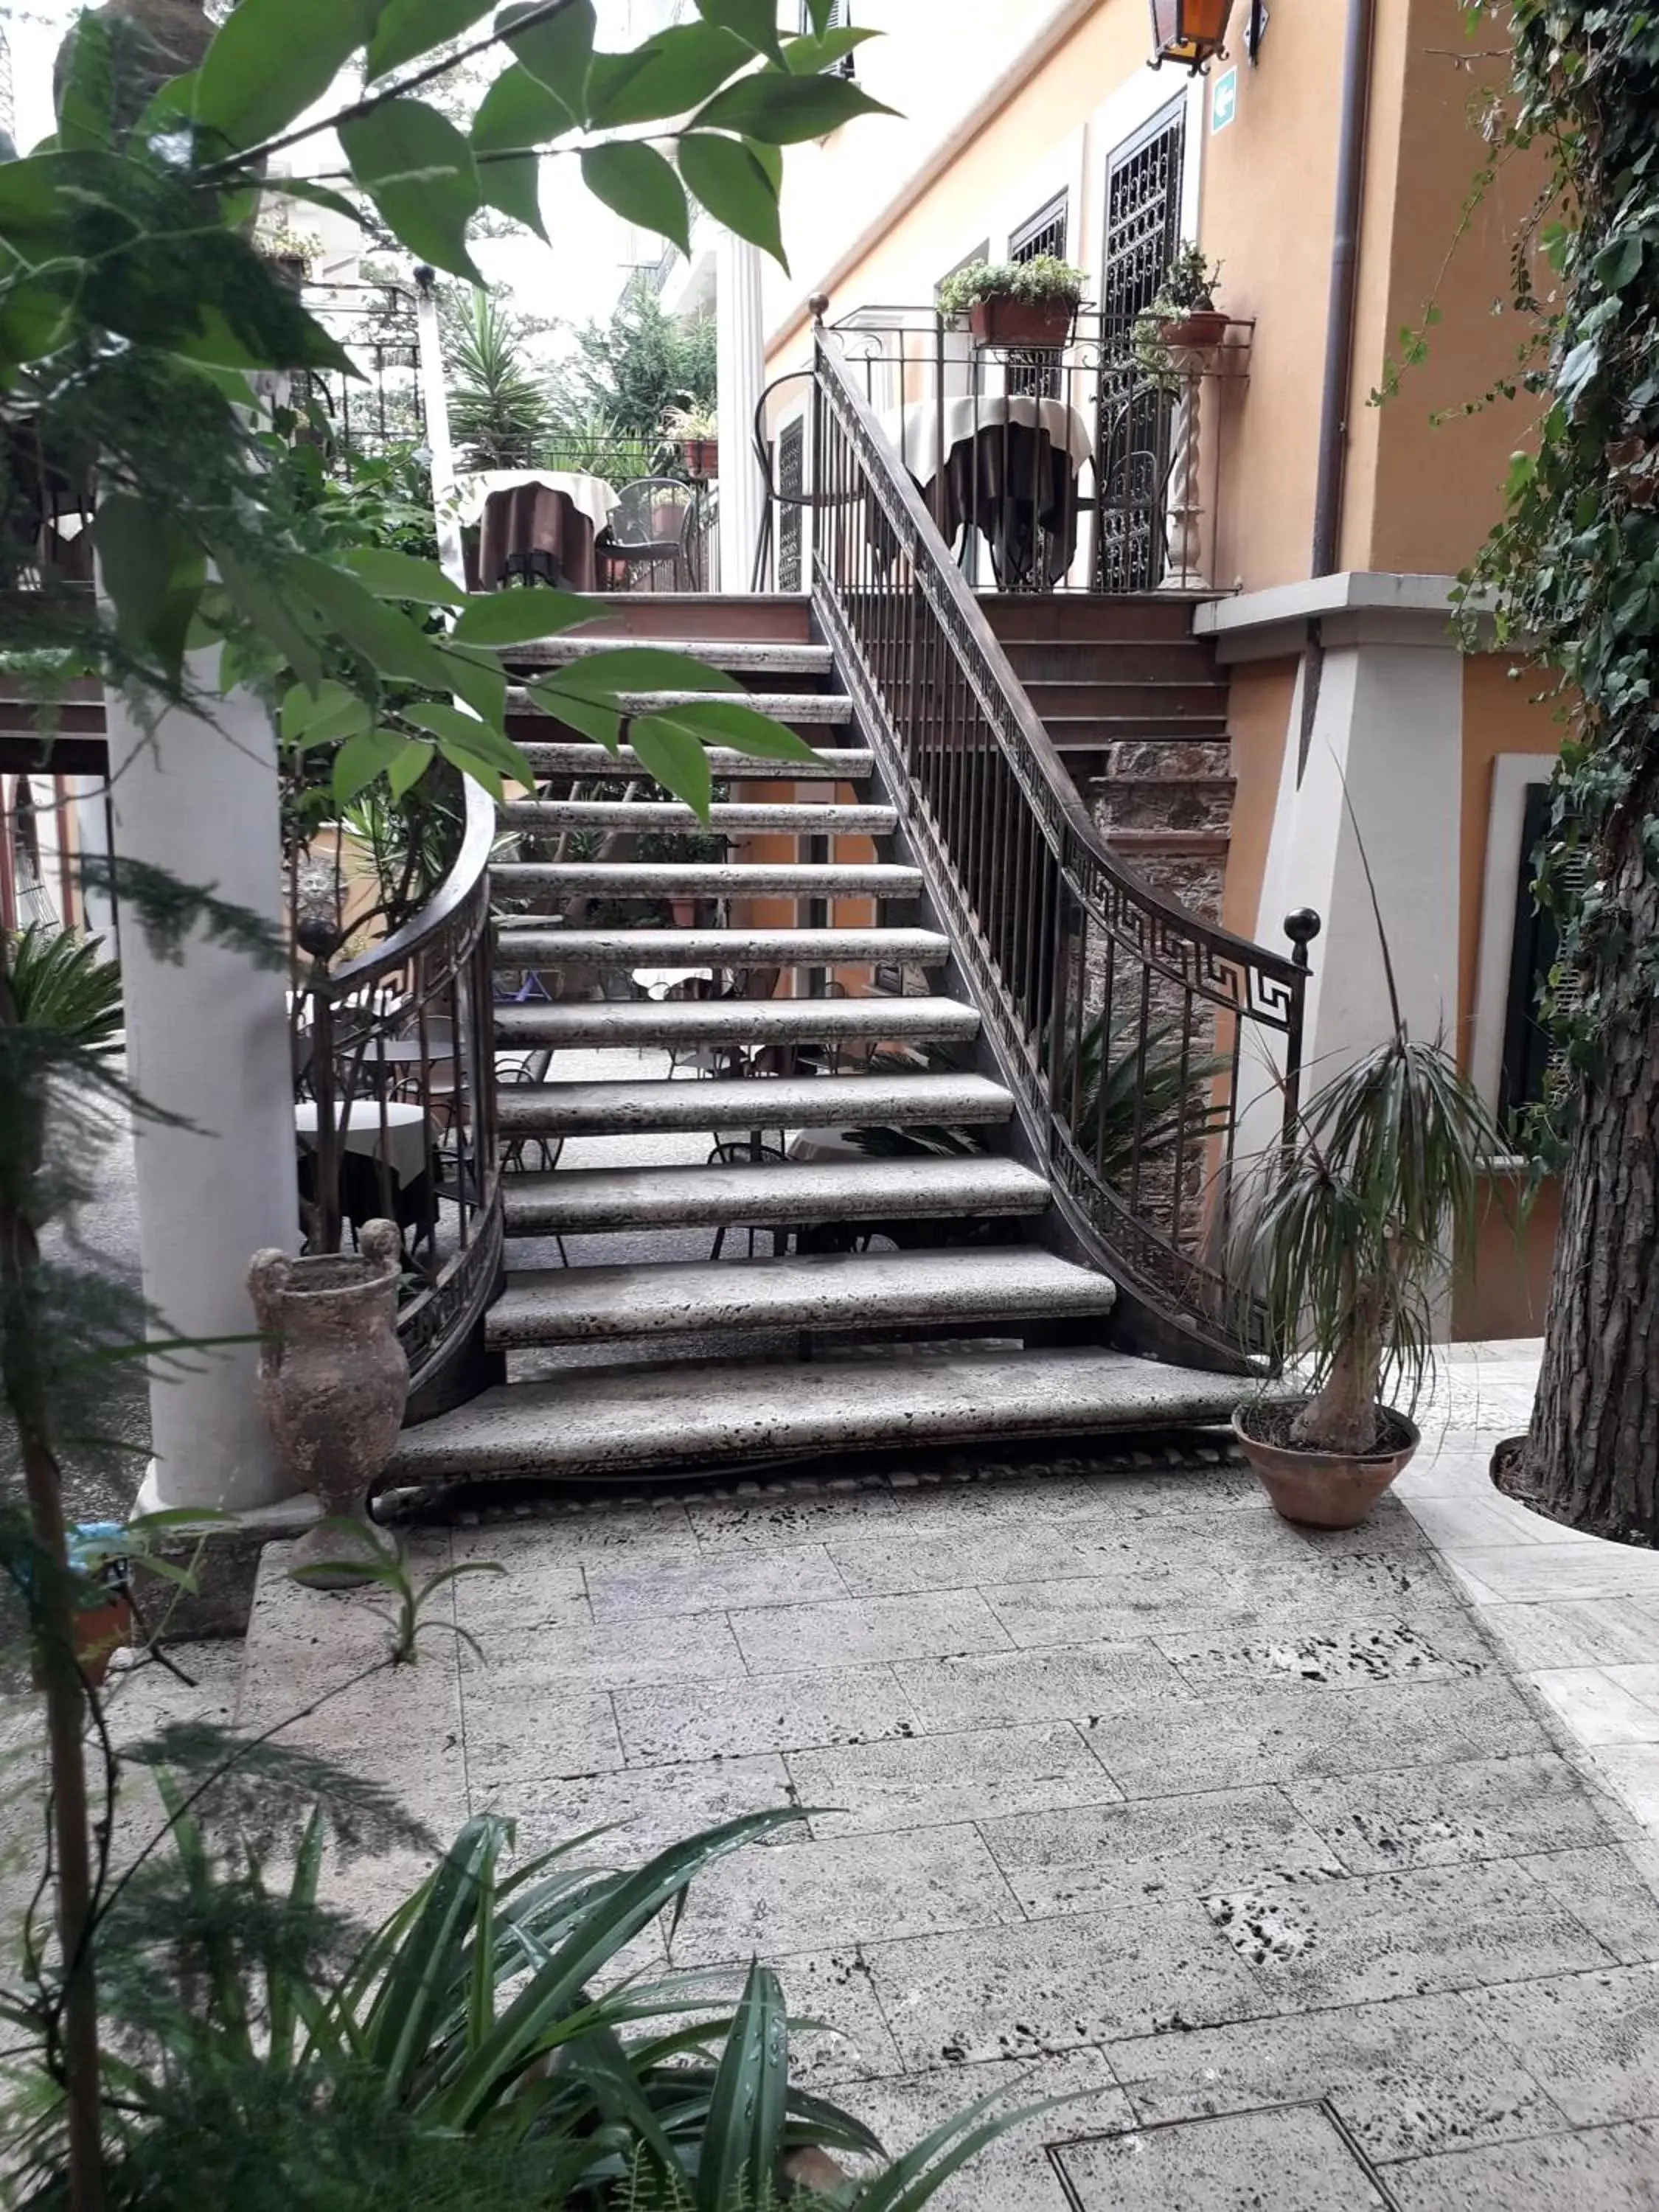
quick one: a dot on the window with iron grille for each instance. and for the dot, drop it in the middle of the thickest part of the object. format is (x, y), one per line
(1037, 369)
(841, 19)
(1532, 1062)
(1143, 233)
(792, 476)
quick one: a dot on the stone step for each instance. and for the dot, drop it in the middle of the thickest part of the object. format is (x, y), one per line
(633, 1023)
(832, 709)
(864, 1291)
(621, 1420)
(849, 764)
(737, 656)
(1091, 616)
(1127, 701)
(1114, 660)
(1096, 733)
(664, 879)
(746, 1102)
(722, 948)
(573, 1201)
(660, 818)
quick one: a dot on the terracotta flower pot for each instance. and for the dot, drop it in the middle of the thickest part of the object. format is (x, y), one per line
(1203, 328)
(1322, 1490)
(100, 1632)
(333, 1378)
(701, 457)
(1022, 322)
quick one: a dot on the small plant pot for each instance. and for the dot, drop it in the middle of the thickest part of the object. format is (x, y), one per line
(683, 912)
(701, 457)
(1321, 1489)
(1204, 328)
(100, 1630)
(1021, 322)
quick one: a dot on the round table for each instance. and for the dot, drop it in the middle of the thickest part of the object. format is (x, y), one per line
(392, 1130)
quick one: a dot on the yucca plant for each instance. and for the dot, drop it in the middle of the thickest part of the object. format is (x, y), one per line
(63, 982)
(499, 408)
(1354, 1223)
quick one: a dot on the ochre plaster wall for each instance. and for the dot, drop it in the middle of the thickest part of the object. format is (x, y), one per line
(1258, 720)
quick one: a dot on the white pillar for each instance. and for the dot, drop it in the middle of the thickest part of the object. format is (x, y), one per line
(92, 837)
(741, 366)
(434, 407)
(207, 1040)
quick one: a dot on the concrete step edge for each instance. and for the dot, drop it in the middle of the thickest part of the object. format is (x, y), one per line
(746, 1102)
(573, 1201)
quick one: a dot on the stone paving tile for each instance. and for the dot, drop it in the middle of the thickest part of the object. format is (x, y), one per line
(1401, 1934)
(1108, 1858)
(1517, 1573)
(657, 1531)
(1244, 1737)
(926, 1781)
(1633, 1771)
(528, 1593)
(370, 1727)
(622, 1593)
(1596, 1706)
(1054, 1984)
(1412, 2077)
(1587, 1632)
(736, 1525)
(699, 1647)
(1590, 2039)
(776, 1712)
(852, 2042)
(1604, 2170)
(1106, 1498)
(522, 1731)
(1441, 1644)
(1295, 2158)
(957, 1558)
(644, 1808)
(1003, 1689)
(1485, 1808)
(1613, 1890)
(1084, 1609)
(848, 1889)
(1014, 2173)
(796, 1639)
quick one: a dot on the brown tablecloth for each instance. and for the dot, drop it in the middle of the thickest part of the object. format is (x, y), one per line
(535, 532)
(1010, 482)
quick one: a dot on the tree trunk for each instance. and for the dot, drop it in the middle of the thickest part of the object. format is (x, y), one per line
(1593, 1452)
(1343, 1417)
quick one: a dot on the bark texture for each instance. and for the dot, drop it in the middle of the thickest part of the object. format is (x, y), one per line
(1593, 1451)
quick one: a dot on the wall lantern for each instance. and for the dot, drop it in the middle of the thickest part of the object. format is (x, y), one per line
(1192, 32)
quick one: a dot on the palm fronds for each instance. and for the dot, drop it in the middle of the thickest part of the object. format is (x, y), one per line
(62, 981)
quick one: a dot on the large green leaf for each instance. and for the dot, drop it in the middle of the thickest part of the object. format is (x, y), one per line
(457, 732)
(744, 2128)
(637, 668)
(518, 111)
(326, 716)
(638, 184)
(271, 59)
(393, 575)
(407, 28)
(512, 183)
(365, 755)
(782, 109)
(557, 53)
(419, 172)
(807, 57)
(87, 106)
(676, 757)
(755, 21)
(520, 618)
(726, 175)
(730, 722)
(386, 639)
(262, 602)
(667, 75)
(599, 723)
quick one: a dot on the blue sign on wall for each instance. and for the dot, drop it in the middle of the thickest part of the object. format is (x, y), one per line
(1223, 100)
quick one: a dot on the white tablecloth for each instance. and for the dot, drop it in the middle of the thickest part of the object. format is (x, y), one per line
(657, 982)
(916, 431)
(589, 496)
(405, 1134)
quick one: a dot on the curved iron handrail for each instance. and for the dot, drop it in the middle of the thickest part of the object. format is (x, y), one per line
(1085, 970)
(409, 1023)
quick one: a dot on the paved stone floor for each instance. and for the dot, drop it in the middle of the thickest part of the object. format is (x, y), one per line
(1271, 1850)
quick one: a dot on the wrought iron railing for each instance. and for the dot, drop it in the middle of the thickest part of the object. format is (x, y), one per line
(1137, 1038)
(395, 1083)
(1089, 464)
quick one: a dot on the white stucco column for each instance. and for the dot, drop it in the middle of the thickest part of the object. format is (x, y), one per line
(207, 1040)
(741, 365)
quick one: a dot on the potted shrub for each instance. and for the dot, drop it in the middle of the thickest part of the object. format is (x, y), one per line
(696, 431)
(1349, 1232)
(1026, 303)
(1183, 317)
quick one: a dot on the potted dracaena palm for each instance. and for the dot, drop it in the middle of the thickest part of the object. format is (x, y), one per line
(1350, 1232)
(1016, 302)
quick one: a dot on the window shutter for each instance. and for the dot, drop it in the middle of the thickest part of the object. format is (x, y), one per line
(1534, 1063)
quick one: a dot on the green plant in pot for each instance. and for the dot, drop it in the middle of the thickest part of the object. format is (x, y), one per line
(1016, 302)
(1349, 1230)
(696, 431)
(1181, 318)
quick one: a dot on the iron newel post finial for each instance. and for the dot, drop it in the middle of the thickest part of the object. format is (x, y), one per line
(1302, 927)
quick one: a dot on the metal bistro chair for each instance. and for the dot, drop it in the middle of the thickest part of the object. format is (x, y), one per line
(748, 1151)
(653, 528)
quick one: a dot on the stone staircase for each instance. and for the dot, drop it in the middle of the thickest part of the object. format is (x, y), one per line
(908, 1299)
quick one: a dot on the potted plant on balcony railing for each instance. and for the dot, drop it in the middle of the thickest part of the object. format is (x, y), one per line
(1350, 1233)
(1183, 318)
(1025, 303)
(695, 430)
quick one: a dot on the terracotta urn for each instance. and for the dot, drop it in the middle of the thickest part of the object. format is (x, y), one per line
(1003, 321)
(1198, 332)
(1322, 1490)
(333, 1378)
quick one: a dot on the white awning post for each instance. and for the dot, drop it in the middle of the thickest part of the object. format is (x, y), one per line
(740, 355)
